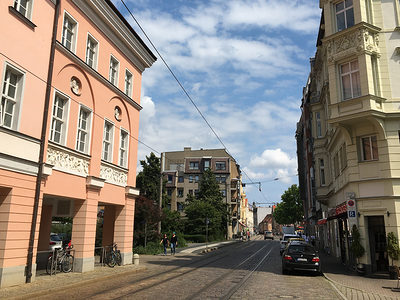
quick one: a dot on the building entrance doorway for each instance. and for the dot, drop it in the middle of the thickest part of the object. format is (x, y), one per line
(377, 243)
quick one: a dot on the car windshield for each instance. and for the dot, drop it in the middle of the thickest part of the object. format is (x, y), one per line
(305, 249)
(55, 238)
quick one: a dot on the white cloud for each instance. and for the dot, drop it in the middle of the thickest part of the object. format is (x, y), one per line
(274, 159)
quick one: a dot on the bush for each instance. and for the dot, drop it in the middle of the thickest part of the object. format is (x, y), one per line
(151, 249)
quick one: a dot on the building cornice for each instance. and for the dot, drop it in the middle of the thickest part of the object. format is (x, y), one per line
(109, 21)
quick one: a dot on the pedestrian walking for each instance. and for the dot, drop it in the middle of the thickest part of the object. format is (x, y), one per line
(174, 243)
(165, 243)
(248, 235)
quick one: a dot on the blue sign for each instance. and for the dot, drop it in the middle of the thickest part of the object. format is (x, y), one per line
(352, 214)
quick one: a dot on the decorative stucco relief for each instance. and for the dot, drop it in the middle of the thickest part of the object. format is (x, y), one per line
(354, 42)
(113, 175)
(67, 161)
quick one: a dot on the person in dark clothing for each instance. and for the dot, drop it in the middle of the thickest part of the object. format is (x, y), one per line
(174, 243)
(165, 243)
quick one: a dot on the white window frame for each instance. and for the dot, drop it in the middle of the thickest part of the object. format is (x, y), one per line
(123, 151)
(397, 7)
(74, 32)
(115, 81)
(209, 164)
(193, 167)
(318, 124)
(128, 83)
(61, 120)
(91, 39)
(18, 97)
(344, 10)
(363, 158)
(28, 8)
(196, 178)
(84, 131)
(109, 142)
(350, 74)
(191, 178)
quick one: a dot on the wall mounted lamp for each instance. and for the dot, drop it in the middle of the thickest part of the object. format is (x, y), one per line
(358, 214)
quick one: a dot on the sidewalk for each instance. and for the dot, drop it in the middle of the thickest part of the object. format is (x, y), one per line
(353, 286)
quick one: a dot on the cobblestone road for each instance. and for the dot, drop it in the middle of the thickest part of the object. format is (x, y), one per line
(248, 270)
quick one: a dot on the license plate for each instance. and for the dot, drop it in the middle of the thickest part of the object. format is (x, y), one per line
(302, 259)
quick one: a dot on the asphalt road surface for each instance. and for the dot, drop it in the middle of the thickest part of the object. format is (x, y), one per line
(244, 270)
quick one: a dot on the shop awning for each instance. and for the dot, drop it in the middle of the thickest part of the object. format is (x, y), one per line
(322, 221)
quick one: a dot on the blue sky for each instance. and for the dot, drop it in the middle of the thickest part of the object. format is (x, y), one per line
(244, 63)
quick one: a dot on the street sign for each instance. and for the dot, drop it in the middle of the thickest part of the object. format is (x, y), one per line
(351, 209)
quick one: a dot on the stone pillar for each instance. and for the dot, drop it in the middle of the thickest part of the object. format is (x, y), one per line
(45, 228)
(84, 232)
(123, 229)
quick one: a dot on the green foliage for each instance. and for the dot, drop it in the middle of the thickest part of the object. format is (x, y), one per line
(195, 238)
(148, 180)
(393, 247)
(208, 204)
(290, 210)
(356, 248)
(152, 248)
(171, 221)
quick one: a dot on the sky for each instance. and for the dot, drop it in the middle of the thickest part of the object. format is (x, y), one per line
(244, 63)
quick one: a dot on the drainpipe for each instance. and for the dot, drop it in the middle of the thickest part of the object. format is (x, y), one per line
(28, 270)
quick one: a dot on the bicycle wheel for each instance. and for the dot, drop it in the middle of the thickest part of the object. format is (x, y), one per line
(51, 265)
(118, 257)
(111, 259)
(67, 263)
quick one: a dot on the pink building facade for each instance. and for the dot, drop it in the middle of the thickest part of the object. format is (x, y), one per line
(88, 137)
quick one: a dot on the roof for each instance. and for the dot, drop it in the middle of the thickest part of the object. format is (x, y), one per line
(112, 6)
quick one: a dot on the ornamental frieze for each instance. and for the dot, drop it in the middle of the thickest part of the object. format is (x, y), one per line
(358, 41)
(67, 161)
(113, 175)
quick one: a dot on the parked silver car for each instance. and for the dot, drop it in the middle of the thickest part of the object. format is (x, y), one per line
(285, 240)
(55, 241)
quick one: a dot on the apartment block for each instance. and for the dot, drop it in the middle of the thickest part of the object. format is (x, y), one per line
(182, 171)
(349, 132)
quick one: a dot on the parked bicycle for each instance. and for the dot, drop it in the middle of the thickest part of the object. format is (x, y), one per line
(113, 257)
(61, 259)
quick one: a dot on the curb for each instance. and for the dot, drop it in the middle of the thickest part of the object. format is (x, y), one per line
(332, 283)
(76, 285)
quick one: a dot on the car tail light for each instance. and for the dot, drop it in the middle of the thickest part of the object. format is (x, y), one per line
(287, 257)
(52, 243)
(315, 259)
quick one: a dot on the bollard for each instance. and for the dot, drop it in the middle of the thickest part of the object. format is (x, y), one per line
(136, 259)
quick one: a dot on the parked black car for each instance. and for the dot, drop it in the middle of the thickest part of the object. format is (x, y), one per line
(300, 256)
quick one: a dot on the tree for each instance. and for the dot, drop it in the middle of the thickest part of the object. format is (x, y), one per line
(356, 247)
(393, 247)
(290, 210)
(207, 204)
(147, 216)
(148, 180)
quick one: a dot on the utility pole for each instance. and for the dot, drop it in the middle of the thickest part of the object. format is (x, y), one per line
(161, 186)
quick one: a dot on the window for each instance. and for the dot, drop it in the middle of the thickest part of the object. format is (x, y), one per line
(220, 165)
(223, 193)
(169, 178)
(180, 193)
(190, 178)
(11, 98)
(344, 15)
(220, 178)
(69, 33)
(179, 206)
(196, 178)
(108, 138)
(128, 83)
(82, 138)
(24, 7)
(343, 157)
(322, 172)
(336, 164)
(91, 52)
(206, 165)
(350, 78)
(123, 149)
(194, 165)
(191, 192)
(196, 193)
(169, 192)
(318, 123)
(59, 117)
(114, 65)
(180, 179)
(369, 148)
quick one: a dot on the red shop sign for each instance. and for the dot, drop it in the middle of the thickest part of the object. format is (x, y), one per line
(341, 208)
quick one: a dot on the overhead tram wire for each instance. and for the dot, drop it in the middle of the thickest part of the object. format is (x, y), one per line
(182, 87)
